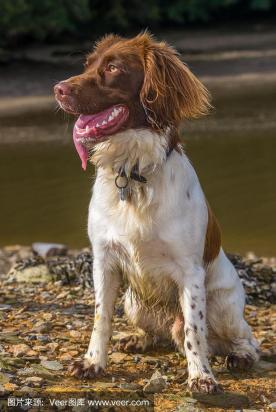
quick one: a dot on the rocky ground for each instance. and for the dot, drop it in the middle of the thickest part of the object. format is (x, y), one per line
(46, 316)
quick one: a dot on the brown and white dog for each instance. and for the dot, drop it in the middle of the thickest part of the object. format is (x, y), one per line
(149, 221)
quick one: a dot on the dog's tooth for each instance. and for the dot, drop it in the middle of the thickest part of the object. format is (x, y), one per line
(110, 118)
(104, 122)
(79, 130)
(97, 125)
(87, 129)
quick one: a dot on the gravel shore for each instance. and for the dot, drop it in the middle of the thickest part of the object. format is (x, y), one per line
(47, 324)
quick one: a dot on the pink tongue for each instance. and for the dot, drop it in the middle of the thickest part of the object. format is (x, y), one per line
(82, 151)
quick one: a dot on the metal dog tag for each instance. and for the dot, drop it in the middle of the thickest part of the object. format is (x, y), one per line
(121, 183)
(123, 191)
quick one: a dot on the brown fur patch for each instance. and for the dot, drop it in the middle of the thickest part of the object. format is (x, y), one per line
(212, 239)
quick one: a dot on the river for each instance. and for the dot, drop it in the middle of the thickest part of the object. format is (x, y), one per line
(45, 194)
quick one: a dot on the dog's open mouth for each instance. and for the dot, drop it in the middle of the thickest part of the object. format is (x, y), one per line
(94, 128)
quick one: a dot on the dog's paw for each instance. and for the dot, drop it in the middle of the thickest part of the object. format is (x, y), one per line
(205, 385)
(131, 344)
(235, 361)
(85, 370)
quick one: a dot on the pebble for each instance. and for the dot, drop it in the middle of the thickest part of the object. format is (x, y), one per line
(272, 405)
(104, 385)
(42, 327)
(4, 378)
(36, 370)
(10, 387)
(21, 349)
(49, 249)
(3, 391)
(250, 410)
(265, 366)
(27, 389)
(156, 384)
(136, 359)
(53, 346)
(40, 348)
(150, 360)
(263, 399)
(131, 386)
(257, 276)
(231, 399)
(35, 274)
(66, 357)
(75, 334)
(52, 365)
(188, 405)
(34, 380)
(43, 338)
(45, 295)
(118, 357)
(5, 307)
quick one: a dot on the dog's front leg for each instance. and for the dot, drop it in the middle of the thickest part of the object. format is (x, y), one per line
(106, 284)
(193, 303)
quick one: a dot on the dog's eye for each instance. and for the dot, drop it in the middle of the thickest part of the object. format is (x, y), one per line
(112, 68)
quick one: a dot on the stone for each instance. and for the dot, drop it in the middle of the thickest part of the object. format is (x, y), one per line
(35, 274)
(5, 307)
(265, 366)
(117, 336)
(49, 249)
(150, 360)
(40, 348)
(156, 384)
(42, 327)
(220, 400)
(10, 387)
(75, 334)
(130, 386)
(53, 346)
(10, 337)
(27, 390)
(3, 391)
(8, 363)
(66, 357)
(118, 357)
(4, 378)
(36, 370)
(34, 380)
(21, 349)
(188, 405)
(103, 385)
(250, 410)
(52, 365)
(44, 338)
(272, 405)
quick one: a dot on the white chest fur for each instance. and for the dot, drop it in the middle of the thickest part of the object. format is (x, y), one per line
(162, 224)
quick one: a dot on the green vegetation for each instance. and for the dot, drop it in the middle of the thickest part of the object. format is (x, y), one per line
(41, 20)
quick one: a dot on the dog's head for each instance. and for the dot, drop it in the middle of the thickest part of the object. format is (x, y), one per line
(130, 83)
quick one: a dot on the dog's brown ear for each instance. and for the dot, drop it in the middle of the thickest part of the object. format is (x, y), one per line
(170, 91)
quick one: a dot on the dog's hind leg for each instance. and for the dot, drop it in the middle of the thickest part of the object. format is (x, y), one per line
(230, 335)
(151, 330)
